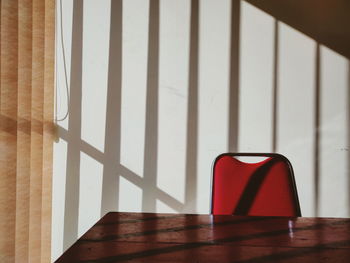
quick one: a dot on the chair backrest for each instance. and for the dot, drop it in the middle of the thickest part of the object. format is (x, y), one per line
(264, 188)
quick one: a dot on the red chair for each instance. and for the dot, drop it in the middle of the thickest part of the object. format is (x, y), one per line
(264, 188)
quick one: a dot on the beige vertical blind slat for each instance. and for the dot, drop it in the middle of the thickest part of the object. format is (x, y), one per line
(26, 129)
(23, 128)
(36, 154)
(8, 128)
(48, 129)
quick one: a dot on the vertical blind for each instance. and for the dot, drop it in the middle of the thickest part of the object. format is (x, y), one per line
(26, 114)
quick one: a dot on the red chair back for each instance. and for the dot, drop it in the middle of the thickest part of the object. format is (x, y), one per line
(265, 188)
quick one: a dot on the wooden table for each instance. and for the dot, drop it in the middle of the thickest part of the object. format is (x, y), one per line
(145, 237)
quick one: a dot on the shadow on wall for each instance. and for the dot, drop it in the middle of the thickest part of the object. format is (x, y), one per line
(324, 21)
(110, 158)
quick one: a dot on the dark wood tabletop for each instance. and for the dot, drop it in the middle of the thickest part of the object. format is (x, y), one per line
(149, 237)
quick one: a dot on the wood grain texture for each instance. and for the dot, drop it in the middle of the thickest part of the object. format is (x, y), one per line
(142, 237)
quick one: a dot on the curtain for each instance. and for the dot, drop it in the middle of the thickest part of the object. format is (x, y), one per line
(26, 129)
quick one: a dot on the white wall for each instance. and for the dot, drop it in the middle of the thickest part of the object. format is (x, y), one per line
(150, 108)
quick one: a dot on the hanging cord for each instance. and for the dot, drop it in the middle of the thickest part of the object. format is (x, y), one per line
(64, 67)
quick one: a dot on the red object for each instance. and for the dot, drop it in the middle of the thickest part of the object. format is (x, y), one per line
(265, 188)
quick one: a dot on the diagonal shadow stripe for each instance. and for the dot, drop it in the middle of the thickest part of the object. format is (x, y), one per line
(128, 221)
(147, 253)
(158, 251)
(270, 258)
(172, 229)
(253, 186)
(124, 171)
(11, 126)
(281, 232)
(158, 193)
(296, 253)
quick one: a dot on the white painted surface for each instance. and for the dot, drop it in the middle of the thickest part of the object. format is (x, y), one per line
(89, 192)
(214, 20)
(296, 107)
(334, 176)
(95, 71)
(130, 196)
(173, 86)
(58, 198)
(296, 110)
(256, 80)
(135, 43)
